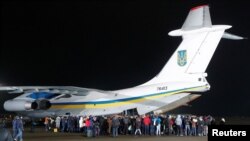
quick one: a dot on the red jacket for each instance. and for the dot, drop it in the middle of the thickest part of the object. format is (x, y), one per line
(87, 122)
(146, 121)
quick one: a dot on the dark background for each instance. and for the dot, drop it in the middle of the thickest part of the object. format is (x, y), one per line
(118, 44)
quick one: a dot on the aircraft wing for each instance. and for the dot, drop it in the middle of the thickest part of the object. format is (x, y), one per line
(70, 90)
(41, 97)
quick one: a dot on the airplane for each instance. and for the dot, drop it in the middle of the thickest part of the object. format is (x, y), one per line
(178, 83)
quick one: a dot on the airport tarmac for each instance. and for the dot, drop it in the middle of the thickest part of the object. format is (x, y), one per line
(40, 135)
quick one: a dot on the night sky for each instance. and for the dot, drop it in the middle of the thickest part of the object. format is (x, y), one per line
(119, 44)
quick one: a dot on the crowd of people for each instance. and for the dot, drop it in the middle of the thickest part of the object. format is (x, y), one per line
(94, 126)
(153, 125)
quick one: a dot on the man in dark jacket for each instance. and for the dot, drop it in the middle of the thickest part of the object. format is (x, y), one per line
(115, 126)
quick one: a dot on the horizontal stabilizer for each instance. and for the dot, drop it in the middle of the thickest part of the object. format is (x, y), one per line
(232, 36)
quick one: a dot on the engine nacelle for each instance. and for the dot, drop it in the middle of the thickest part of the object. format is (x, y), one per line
(19, 105)
(22, 105)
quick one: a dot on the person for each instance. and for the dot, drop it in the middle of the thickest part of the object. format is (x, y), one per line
(170, 125)
(81, 124)
(109, 121)
(126, 123)
(138, 125)
(146, 122)
(46, 123)
(193, 123)
(200, 125)
(19, 128)
(58, 120)
(178, 123)
(115, 126)
(158, 126)
(96, 127)
(14, 129)
(88, 127)
(187, 125)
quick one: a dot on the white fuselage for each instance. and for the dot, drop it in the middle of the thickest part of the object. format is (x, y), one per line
(142, 98)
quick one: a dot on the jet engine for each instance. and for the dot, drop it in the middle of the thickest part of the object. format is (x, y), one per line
(22, 105)
(19, 105)
(43, 104)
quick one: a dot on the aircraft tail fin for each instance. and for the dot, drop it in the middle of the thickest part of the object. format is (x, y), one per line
(198, 17)
(200, 40)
